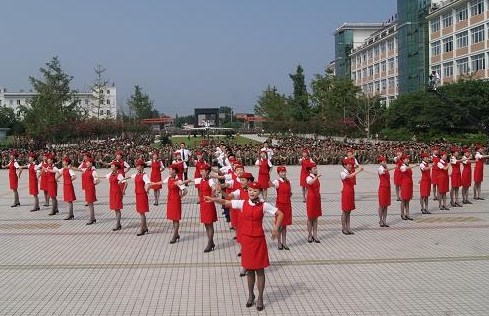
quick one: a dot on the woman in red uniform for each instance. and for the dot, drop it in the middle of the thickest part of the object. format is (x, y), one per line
(208, 213)
(50, 173)
(305, 161)
(14, 172)
(89, 174)
(157, 167)
(284, 204)
(455, 177)
(406, 187)
(176, 188)
(466, 175)
(479, 171)
(384, 191)
(142, 183)
(397, 173)
(350, 156)
(68, 189)
(347, 195)
(434, 171)
(255, 253)
(264, 166)
(33, 180)
(43, 186)
(425, 183)
(177, 161)
(443, 181)
(313, 204)
(116, 192)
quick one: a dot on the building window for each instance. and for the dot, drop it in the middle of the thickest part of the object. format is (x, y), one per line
(463, 65)
(448, 44)
(364, 72)
(478, 62)
(448, 69)
(477, 34)
(108, 112)
(462, 14)
(476, 7)
(108, 101)
(376, 51)
(376, 69)
(359, 75)
(377, 86)
(462, 39)
(364, 57)
(108, 91)
(390, 44)
(435, 48)
(18, 102)
(11, 102)
(101, 112)
(447, 20)
(435, 25)
(383, 66)
(86, 101)
(370, 53)
(354, 76)
(436, 68)
(391, 82)
(382, 48)
(371, 70)
(391, 64)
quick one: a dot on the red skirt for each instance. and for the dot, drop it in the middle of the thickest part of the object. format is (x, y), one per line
(90, 195)
(456, 180)
(44, 182)
(347, 200)
(156, 178)
(14, 182)
(285, 208)
(443, 182)
(52, 189)
(425, 189)
(384, 196)
(174, 210)
(68, 193)
(264, 180)
(115, 200)
(407, 191)
(142, 203)
(466, 178)
(397, 177)
(313, 207)
(434, 176)
(208, 213)
(478, 174)
(33, 186)
(303, 178)
(254, 252)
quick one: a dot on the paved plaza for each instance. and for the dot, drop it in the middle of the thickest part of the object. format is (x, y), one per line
(435, 265)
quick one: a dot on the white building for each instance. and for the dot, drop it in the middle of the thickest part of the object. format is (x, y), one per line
(105, 108)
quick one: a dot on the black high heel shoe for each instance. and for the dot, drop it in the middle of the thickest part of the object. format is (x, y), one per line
(209, 247)
(285, 247)
(409, 218)
(91, 222)
(249, 304)
(259, 307)
(175, 239)
(69, 217)
(317, 241)
(243, 272)
(344, 233)
(142, 232)
(118, 227)
(280, 247)
(15, 205)
(309, 239)
(403, 217)
(35, 209)
(53, 212)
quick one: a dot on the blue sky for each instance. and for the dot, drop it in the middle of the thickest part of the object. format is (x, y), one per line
(185, 54)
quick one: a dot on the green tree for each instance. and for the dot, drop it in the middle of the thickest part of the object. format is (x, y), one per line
(299, 102)
(275, 107)
(141, 105)
(50, 114)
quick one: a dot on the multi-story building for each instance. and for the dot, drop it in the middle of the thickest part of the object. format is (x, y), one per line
(347, 37)
(374, 65)
(459, 42)
(100, 104)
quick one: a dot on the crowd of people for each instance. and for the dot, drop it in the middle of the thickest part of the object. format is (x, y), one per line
(221, 177)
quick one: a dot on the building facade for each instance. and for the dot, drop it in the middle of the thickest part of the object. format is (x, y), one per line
(348, 37)
(374, 65)
(459, 43)
(101, 104)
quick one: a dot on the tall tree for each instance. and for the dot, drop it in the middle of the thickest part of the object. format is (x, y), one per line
(50, 113)
(299, 103)
(275, 107)
(98, 88)
(141, 105)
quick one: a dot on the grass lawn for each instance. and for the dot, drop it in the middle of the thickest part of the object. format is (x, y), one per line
(195, 141)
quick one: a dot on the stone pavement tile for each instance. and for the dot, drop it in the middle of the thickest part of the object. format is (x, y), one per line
(435, 265)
